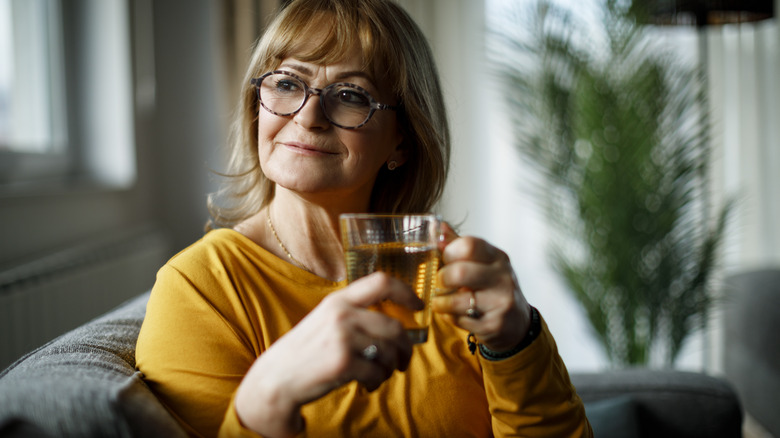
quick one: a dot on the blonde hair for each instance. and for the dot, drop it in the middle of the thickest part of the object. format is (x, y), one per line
(396, 52)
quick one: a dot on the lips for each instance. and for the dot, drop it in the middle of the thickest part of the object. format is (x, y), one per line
(307, 147)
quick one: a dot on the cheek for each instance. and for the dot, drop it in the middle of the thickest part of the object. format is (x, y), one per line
(382, 140)
(367, 149)
(268, 125)
(388, 128)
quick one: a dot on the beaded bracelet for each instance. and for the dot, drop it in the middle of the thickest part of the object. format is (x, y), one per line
(533, 333)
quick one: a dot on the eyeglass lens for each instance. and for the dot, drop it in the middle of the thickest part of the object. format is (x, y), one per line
(343, 104)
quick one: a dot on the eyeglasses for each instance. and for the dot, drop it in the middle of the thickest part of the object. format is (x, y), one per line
(345, 105)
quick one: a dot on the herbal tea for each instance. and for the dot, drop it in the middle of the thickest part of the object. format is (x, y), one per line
(413, 263)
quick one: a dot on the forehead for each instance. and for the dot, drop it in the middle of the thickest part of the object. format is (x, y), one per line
(319, 38)
(350, 66)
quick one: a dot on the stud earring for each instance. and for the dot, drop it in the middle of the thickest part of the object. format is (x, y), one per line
(392, 165)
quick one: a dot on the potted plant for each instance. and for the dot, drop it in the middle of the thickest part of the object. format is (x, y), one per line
(618, 128)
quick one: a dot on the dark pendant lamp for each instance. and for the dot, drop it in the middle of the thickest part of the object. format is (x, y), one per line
(703, 13)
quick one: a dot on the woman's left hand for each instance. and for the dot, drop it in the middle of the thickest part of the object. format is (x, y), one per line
(475, 269)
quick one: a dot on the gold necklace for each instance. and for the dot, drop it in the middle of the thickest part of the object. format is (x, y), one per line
(281, 245)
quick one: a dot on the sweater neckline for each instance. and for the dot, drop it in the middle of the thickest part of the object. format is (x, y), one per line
(290, 268)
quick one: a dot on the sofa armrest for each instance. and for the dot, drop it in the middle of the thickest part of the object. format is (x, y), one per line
(751, 313)
(84, 384)
(665, 403)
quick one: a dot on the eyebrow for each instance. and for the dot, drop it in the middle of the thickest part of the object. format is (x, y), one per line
(340, 76)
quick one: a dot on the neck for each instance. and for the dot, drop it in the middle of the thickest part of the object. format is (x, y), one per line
(308, 234)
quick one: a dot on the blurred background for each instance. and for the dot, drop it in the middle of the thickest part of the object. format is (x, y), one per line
(113, 116)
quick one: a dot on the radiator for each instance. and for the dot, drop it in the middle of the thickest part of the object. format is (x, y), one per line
(49, 296)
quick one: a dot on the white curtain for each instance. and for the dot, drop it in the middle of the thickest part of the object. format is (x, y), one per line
(744, 68)
(744, 71)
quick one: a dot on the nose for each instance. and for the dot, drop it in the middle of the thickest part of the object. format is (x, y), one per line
(311, 115)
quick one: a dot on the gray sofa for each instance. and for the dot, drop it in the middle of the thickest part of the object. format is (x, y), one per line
(752, 328)
(83, 384)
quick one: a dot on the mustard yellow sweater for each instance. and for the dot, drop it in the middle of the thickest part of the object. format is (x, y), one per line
(219, 304)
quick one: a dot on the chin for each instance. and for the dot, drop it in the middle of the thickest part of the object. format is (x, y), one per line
(303, 185)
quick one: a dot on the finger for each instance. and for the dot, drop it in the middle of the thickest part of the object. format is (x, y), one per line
(379, 286)
(474, 276)
(369, 374)
(456, 304)
(447, 235)
(486, 304)
(383, 354)
(471, 249)
(380, 328)
(454, 309)
(374, 362)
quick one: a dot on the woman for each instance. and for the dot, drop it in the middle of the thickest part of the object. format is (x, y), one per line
(253, 330)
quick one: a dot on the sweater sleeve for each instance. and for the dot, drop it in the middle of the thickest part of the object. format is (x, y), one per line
(530, 394)
(190, 353)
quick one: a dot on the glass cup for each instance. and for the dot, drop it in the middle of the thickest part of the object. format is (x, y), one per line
(404, 246)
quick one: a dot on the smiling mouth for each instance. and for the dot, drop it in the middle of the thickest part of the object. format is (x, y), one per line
(306, 148)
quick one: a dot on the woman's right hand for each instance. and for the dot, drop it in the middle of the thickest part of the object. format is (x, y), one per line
(325, 351)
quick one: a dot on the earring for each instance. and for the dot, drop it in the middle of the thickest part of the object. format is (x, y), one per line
(392, 165)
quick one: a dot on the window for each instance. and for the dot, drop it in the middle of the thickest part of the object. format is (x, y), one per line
(66, 106)
(30, 69)
(32, 122)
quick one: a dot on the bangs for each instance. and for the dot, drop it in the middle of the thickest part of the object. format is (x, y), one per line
(337, 34)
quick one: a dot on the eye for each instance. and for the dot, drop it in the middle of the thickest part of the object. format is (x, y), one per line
(287, 85)
(351, 96)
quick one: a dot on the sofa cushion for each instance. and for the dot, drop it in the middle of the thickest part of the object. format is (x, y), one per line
(613, 417)
(669, 403)
(84, 384)
(751, 315)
